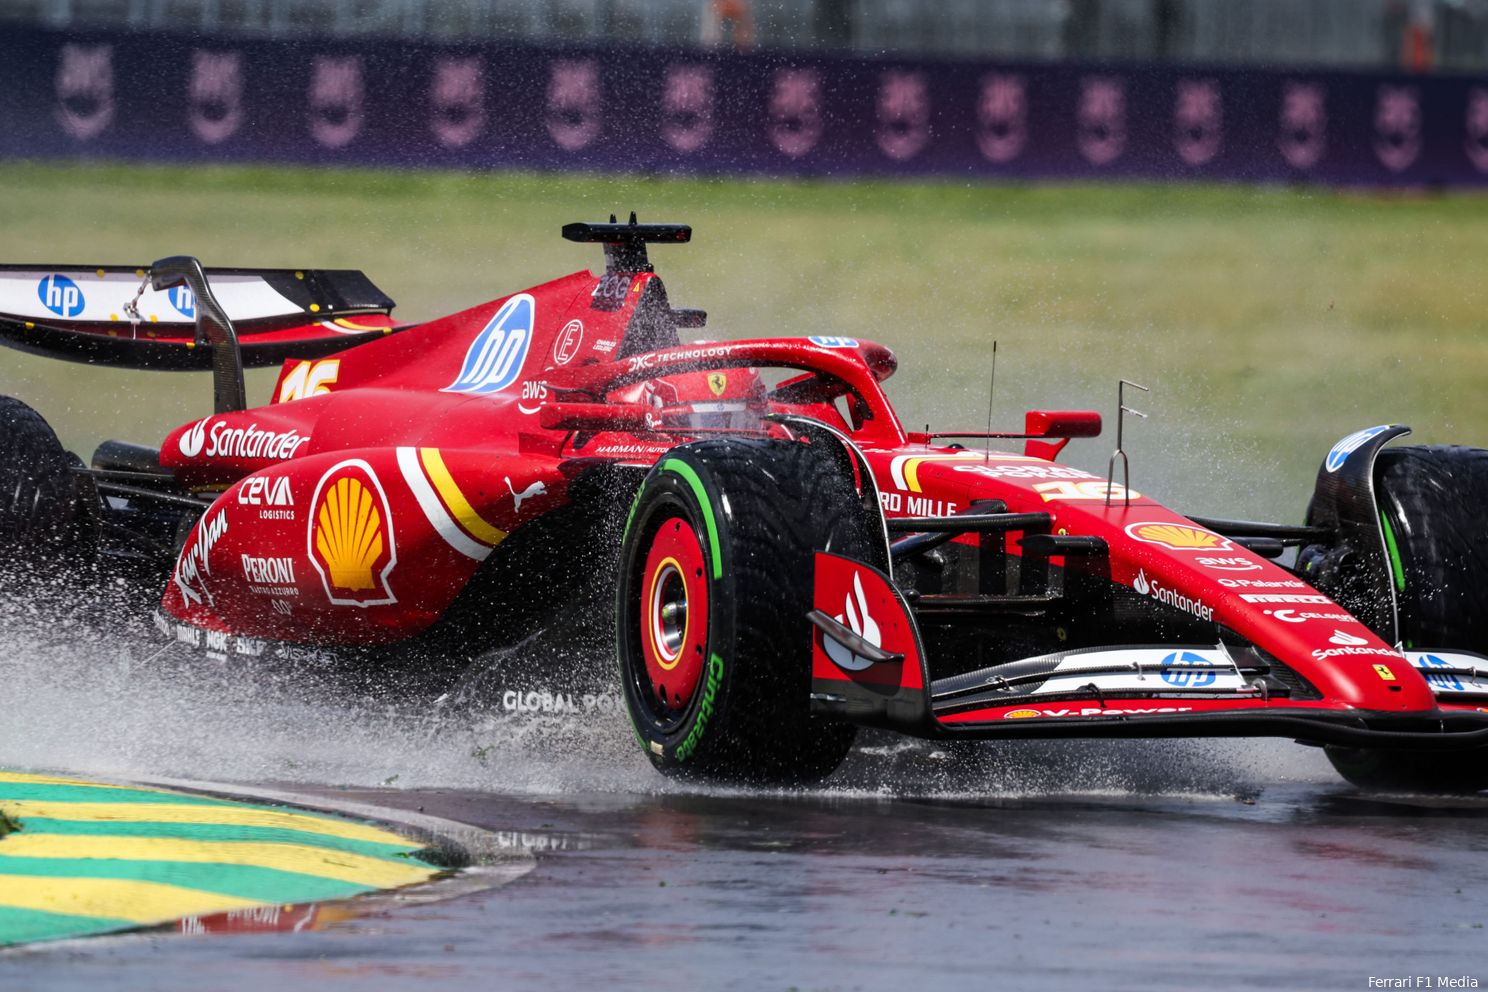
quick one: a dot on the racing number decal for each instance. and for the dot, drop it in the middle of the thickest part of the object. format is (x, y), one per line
(309, 378)
(1094, 489)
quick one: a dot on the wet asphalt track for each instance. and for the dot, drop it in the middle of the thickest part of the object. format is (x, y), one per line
(1166, 865)
(1294, 887)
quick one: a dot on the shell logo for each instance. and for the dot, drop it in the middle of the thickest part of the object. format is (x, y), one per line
(1178, 537)
(350, 538)
(1020, 714)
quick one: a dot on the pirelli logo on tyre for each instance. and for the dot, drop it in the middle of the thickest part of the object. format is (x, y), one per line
(705, 709)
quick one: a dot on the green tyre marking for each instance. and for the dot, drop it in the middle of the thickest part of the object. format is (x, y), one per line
(1396, 567)
(690, 476)
(630, 517)
(705, 710)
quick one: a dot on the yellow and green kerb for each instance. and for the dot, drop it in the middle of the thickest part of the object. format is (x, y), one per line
(81, 858)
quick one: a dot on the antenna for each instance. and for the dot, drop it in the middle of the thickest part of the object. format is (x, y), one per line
(991, 393)
(1121, 411)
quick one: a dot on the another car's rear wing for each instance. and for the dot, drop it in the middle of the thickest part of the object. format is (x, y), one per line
(113, 315)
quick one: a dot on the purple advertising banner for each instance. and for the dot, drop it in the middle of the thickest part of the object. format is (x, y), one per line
(190, 98)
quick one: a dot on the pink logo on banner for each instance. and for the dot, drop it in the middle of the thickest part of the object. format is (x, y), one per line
(1397, 127)
(903, 114)
(1101, 124)
(574, 103)
(1303, 135)
(1198, 121)
(795, 111)
(337, 95)
(1002, 117)
(457, 101)
(1477, 128)
(215, 110)
(687, 107)
(85, 90)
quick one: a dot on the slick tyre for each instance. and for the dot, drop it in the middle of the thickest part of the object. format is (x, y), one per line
(1431, 501)
(714, 587)
(44, 525)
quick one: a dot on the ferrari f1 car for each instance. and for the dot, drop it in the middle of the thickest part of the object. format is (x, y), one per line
(782, 560)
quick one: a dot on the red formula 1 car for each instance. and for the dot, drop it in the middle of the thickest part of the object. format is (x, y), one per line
(776, 559)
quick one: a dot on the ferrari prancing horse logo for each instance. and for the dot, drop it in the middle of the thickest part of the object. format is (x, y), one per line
(717, 382)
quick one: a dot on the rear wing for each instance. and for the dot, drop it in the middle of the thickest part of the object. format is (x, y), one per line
(113, 315)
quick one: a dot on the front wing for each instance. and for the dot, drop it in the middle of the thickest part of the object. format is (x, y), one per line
(869, 666)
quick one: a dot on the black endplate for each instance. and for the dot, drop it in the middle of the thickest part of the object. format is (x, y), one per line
(1344, 502)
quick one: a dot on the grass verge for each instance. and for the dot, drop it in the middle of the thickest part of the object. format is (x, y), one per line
(1269, 321)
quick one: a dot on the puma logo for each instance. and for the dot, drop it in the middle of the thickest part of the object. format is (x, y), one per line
(536, 489)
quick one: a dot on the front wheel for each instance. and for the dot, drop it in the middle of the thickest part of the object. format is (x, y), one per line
(1382, 770)
(1430, 502)
(715, 584)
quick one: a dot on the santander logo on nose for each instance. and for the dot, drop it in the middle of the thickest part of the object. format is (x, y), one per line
(1341, 637)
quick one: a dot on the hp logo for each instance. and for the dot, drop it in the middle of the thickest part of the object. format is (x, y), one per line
(183, 299)
(1187, 679)
(495, 357)
(60, 295)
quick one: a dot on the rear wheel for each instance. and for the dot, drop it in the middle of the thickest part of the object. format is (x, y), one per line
(715, 584)
(1431, 501)
(44, 525)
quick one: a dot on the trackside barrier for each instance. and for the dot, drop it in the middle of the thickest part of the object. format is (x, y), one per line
(194, 98)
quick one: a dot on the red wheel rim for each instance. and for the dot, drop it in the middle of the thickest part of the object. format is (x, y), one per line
(674, 613)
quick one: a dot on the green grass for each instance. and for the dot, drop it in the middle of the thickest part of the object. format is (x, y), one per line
(1268, 321)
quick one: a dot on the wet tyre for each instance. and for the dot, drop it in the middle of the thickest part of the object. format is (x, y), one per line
(1431, 502)
(44, 528)
(714, 587)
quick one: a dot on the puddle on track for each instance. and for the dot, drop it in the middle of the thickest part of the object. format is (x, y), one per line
(1056, 865)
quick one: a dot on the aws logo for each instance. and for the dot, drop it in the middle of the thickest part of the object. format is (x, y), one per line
(350, 539)
(1178, 537)
(494, 359)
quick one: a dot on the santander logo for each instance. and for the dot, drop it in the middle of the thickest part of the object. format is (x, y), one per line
(193, 440)
(1347, 639)
(861, 622)
(1140, 583)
